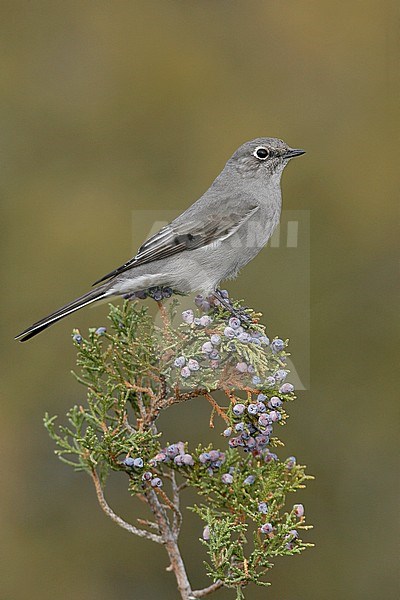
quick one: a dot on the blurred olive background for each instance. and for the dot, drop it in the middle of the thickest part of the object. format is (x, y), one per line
(108, 108)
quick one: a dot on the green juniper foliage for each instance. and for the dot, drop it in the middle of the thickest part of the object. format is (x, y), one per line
(132, 371)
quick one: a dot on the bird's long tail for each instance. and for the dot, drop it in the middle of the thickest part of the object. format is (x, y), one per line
(92, 296)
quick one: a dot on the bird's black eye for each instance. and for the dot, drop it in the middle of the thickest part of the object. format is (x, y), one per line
(261, 153)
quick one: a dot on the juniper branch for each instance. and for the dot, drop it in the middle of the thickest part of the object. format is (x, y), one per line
(243, 494)
(169, 540)
(177, 518)
(114, 517)
(207, 590)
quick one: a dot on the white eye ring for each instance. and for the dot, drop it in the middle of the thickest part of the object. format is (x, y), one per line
(263, 155)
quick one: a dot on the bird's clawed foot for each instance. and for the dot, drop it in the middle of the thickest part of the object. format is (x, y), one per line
(239, 313)
(221, 297)
(157, 293)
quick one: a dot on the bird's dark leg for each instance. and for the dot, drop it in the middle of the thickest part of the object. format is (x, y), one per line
(158, 293)
(239, 313)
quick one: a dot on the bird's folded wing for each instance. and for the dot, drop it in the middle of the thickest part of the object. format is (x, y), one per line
(177, 237)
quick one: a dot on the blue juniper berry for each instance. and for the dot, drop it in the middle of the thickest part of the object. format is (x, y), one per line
(286, 388)
(280, 375)
(252, 409)
(207, 348)
(290, 462)
(277, 345)
(298, 510)
(274, 402)
(266, 528)
(193, 364)
(227, 478)
(188, 316)
(275, 416)
(234, 322)
(186, 372)
(250, 479)
(238, 409)
(180, 362)
(156, 482)
(229, 332)
(215, 339)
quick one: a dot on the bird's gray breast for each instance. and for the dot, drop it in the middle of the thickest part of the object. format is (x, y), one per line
(224, 260)
(246, 243)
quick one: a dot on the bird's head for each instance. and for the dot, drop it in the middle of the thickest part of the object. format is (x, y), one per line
(264, 156)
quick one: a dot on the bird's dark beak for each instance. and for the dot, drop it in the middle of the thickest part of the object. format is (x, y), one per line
(291, 153)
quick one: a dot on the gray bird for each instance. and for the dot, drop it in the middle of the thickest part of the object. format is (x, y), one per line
(209, 242)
